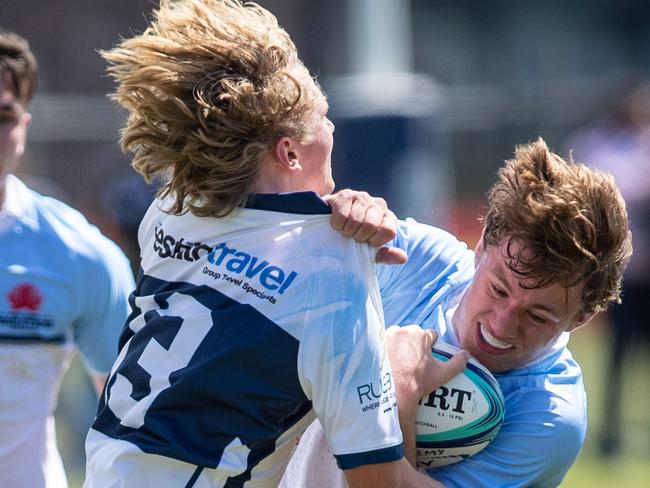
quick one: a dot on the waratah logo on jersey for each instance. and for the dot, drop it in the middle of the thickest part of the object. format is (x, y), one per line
(24, 301)
(24, 297)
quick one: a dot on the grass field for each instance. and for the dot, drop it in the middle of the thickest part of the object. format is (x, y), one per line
(629, 470)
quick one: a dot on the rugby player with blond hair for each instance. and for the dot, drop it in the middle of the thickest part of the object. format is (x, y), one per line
(251, 316)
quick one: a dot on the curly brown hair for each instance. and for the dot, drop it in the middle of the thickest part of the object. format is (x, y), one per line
(18, 65)
(571, 222)
(210, 86)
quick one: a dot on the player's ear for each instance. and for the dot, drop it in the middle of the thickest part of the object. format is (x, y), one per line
(23, 124)
(26, 120)
(286, 151)
(581, 319)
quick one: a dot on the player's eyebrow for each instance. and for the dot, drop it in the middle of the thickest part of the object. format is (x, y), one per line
(501, 279)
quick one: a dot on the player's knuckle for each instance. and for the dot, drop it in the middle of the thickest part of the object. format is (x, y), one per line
(355, 220)
(368, 225)
(337, 224)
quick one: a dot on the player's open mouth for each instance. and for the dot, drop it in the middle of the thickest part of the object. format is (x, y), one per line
(492, 341)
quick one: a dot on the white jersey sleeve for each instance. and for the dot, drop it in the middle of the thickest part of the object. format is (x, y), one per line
(351, 389)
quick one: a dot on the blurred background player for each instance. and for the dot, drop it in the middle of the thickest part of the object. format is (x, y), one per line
(554, 246)
(62, 285)
(251, 315)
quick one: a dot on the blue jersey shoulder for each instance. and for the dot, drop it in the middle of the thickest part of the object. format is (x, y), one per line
(438, 269)
(95, 268)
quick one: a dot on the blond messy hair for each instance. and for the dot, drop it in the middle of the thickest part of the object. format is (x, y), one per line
(570, 219)
(210, 86)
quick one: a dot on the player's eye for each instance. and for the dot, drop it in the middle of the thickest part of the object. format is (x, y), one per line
(498, 291)
(539, 319)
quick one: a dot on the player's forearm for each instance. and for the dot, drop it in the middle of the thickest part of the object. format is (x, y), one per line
(389, 475)
(407, 424)
(414, 479)
(416, 373)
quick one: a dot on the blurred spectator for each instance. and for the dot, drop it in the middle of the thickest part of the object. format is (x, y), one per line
(63, 285)
(122, 204)
(621, 145)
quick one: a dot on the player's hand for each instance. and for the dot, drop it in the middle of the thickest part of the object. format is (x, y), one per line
(415, 371)
(366, 219)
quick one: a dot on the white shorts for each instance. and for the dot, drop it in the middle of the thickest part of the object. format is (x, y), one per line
(312, 464)
(113, 463)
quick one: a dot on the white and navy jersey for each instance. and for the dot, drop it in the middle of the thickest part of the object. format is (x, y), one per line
(240, 327)
(62, 284)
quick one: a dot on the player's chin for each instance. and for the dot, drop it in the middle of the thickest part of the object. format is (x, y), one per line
(500, 363)
(496, 361)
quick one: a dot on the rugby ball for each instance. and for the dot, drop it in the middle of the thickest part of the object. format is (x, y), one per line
(460, 418)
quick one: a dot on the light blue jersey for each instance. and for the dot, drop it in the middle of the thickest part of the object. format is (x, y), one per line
(545, 419)
(62, 284)
(243, 327)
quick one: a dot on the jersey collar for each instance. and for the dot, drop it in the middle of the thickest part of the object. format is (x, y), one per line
(18, 202)
(301, 202)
